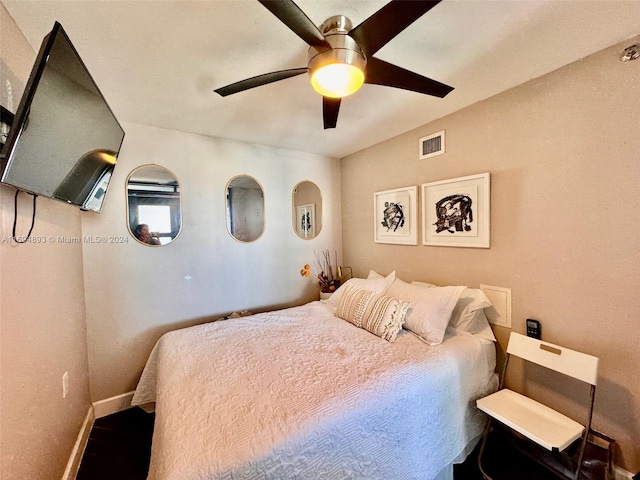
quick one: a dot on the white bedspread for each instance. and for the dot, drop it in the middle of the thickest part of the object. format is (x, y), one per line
(301, 394)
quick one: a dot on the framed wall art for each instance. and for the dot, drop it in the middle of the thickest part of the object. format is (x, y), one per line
(306, 220)
(6, 120)
(396, 216)
(456, 213)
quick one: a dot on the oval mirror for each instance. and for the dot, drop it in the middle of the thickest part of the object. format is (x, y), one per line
(245, 208)
(153, 205)
(307, 210)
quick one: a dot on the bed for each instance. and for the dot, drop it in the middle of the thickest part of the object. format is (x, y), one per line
(303, 394)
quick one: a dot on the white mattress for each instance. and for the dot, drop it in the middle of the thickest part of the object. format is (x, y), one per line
(301, 394)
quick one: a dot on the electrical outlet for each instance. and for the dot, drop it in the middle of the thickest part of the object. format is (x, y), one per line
(65, 384)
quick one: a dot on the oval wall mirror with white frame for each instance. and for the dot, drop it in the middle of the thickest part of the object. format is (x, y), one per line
(244, 208)
(306, 210)
(154, 209)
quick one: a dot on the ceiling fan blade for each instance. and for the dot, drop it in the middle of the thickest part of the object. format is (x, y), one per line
(258, 81)
(380, 72)
(377, 30)
(290, 14)
(330, 109)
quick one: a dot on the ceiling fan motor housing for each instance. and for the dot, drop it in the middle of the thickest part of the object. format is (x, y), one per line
(337, 23)
(343, 48)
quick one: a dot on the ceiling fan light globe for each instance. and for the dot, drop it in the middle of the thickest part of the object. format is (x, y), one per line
(337, 80)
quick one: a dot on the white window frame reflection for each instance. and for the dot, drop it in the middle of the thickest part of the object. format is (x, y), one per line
(158, 218)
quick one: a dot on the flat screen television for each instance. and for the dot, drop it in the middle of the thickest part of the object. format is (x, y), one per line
(64, 140)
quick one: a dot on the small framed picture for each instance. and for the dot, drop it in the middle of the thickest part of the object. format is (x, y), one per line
(306, 220)
(396, 216)
(6, 120)
(456, 213)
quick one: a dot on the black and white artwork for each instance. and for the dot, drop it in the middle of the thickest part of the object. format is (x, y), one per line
(396, 216)
(393, 216)
(456, 212)
(306, 220)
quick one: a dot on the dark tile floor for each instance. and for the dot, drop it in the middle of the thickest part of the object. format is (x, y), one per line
(119, 448)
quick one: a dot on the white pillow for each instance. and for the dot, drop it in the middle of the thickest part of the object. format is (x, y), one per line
(430, 310)
(469, 316)
(377, 285)
(423, 284)
(373, 275)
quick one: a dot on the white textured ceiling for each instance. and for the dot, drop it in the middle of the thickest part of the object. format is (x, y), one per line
(157, 62)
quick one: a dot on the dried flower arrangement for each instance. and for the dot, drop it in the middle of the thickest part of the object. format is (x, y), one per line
(322, 272)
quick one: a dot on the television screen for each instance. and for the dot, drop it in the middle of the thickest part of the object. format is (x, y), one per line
(64, 140)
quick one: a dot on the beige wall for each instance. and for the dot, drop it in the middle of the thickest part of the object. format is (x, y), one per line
(134, 293)
(563, 151)
(42, 317)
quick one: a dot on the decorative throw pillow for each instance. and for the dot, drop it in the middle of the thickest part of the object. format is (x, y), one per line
(381, 315)
(430, 309)
(377, 285)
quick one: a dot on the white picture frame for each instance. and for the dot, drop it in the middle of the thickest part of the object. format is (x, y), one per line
(306, 220)
(456, 212)
(396, 216)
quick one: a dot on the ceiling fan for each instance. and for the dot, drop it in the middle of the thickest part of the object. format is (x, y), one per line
(341, 56)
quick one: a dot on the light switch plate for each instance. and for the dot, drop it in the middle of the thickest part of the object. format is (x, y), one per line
(500, 312)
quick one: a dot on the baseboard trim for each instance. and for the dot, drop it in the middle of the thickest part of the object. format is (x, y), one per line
(621, 474)
(116, 404)
(73, 464)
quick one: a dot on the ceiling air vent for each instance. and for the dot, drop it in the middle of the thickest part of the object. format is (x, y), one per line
(432, 145)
